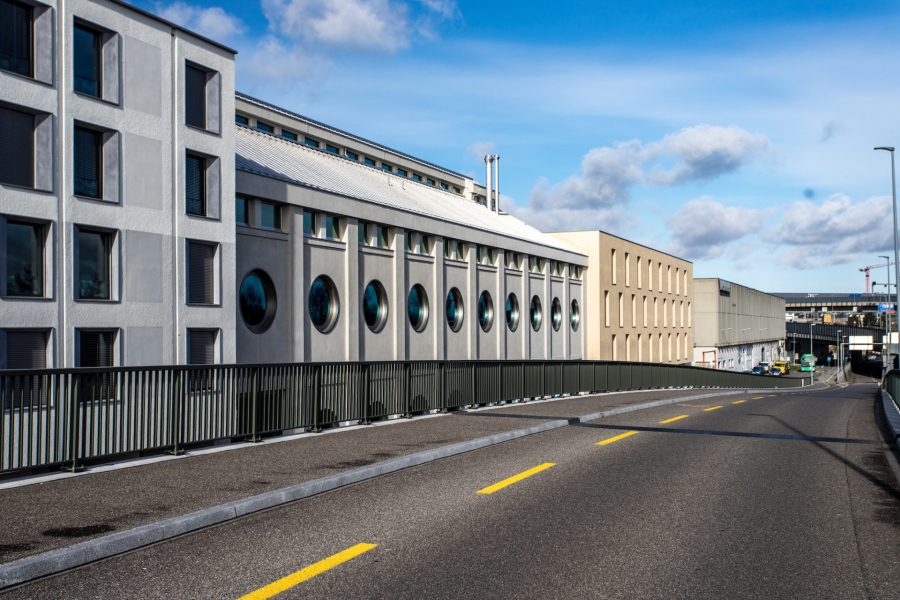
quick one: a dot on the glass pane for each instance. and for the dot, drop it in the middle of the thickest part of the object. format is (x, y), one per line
(311, 142)
(369, 162)
(417, 307)
(195, 96)
(323, 304)
(241, 120)
(270, 215)
(240, 211)
(257, 301)
(512, 312)
(87, 162)
(454, 309)
(24, 259)
(485, 311)
(288, 135)
(332, 227)
(17, 148)
(86, 60)
(309, 222)
(265, 127)
(352, 155)
(375, 306)
(332, 149)
(93, 266)
(195, 185)
(15, 37)
(537, 315)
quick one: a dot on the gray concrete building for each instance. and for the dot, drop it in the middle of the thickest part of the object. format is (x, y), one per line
(116, 187)
(736, 327)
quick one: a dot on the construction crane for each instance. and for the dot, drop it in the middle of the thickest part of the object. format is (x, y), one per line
(869, 268)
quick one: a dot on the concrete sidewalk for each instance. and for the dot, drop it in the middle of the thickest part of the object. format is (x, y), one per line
(55, 514)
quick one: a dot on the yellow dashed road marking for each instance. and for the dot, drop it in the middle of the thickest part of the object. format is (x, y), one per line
(616, 438)
(515, 478)
(712, 408)
(673, 419)
(738, 401)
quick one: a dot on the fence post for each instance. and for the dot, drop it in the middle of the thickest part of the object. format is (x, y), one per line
(408, 390)
(176, 412)
(254, 424)
(365, 395)
(74, 438)
(317, 393)
(444, 387)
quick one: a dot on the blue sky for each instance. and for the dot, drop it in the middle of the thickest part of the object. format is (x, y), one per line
(736, 134)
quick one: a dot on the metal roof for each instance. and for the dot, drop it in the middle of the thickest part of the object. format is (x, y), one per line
(270, 156)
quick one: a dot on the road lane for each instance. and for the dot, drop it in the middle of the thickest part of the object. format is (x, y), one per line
(672, 512)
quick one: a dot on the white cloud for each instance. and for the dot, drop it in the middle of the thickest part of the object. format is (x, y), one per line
(704, 227)
(838, 230)
(478, 150)
(213, 22)
(705, 152)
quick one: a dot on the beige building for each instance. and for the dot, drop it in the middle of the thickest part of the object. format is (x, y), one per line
(638, 301)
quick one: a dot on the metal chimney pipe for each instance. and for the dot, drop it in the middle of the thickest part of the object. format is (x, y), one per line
(488, 164)
(497, 183)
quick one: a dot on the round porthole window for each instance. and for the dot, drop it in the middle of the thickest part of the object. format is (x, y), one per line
(323, 304)
(575, 316)
(556, 315)
(256, 298)
(417, 307)
(512, 312)
(375, 306)
(455, 310)
(485, 311)
(537, 313)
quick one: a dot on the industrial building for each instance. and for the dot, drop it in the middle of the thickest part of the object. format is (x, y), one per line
(148, 216)
(638, 300)
(736, 327)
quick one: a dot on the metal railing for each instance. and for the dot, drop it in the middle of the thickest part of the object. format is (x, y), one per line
(891, 385)
(69, 417)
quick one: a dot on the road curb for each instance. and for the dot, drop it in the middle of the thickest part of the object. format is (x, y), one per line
(63, 559)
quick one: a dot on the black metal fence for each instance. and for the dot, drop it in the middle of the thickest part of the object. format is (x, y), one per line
(67, 417)
(891, 385)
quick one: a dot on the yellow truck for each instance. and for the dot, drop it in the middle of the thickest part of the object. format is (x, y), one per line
(781, 366)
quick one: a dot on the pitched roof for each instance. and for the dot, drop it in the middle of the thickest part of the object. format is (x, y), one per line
(270, 156)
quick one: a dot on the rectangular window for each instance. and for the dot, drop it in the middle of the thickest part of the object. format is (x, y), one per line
(265, 127)
(332, 227)
(649, 274)
(241, 120)
(645, 311)
(677, 281)
(201, 273)
(627, 346)
(445, 186)
(681, 313)
(361, 233)
(289, 135)
(402, 172)
(387, 168)
(351, 155)
(429, 181)
(312, 143)
(689, 315)
(94, 267)
(26, 349)
(88, 155)
(382, 236)
(16, 45)
(669, 279)
(638, 263)
(269, 215)
(368, 161)
(195, 96)
(332, 149)
(241, 211)
(627, 270)
(633, 311)
(202, 346)
(17, 149)
(195, 185)
(606, 306)
(25, 259)
(665, 312)
(621, 310)
(460, 251)
(656, 312)
(416, 177)
(309, 223)
(615, 348)
(96, 348)
(612, 266)
(86, 44)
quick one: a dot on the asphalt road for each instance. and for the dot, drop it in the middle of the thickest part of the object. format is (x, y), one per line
(769, 496)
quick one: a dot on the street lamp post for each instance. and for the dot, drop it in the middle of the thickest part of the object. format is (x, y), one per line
(840, 355)
(812, 374)
(896, 243)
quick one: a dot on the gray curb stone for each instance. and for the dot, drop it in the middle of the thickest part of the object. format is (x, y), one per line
(892, 413)
(62, 559)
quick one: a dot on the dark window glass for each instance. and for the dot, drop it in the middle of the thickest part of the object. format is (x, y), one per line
(241, 120)
(429, 181)
(417, 307)
(17, 147)
(575, 316)
(289, 135)
(16, 20)
(257, 301)
(269, 215)
(368, 162)
(401, 172)
(311, 142)
(416, 177)
(88, 162)
(374, 306)
(556, 316)
(455, 310)
(93, 277)
(485, 311)
(323, 304)
(444, 186)
(86, 60)
(95, 348)
(332, 149)
(241, 215)
(26, 349)
(361, 233)
(24, 259)
(537, 313)
(195, 96)
(195, 185)
(352, 155)
(382, 234)
(512, 312)
(387, 168)
(265, 127)
(332, 227)
(202, 346)
(201, 273)
(309, 223)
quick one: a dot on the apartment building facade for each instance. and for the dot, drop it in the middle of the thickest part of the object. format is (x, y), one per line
(116, 187)
(638, 300)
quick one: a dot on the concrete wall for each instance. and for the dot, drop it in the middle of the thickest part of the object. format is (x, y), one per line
(142, 109)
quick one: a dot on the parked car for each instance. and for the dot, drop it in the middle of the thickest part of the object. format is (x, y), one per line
(757, 371)
(775, 372)
(766, 367)
(782, 367)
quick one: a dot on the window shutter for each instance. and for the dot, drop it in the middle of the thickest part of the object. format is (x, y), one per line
(26, 349)
(201, 273)
(17, 149)
(195, 97)
(96, 348)
(194, 180)
(202, 346)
